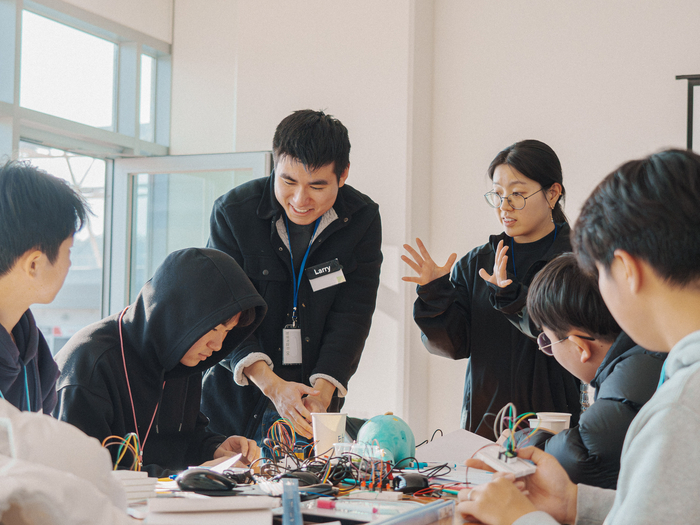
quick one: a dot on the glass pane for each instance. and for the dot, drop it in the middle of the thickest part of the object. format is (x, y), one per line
(79, 301)
(148, 97)
(66, 72)
(171, 212)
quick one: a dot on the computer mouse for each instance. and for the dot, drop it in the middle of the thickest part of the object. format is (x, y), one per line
(305, 478)
(202, 479)
(410, 482)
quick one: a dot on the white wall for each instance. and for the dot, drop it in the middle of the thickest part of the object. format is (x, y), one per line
(595, 80)
(152, 17)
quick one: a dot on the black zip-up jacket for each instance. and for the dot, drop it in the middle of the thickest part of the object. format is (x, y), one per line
(246, 223)
(192, 292)
(464, 317)
(624, 382)
(28, 352)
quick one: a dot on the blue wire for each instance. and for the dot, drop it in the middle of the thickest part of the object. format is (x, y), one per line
(26, 388)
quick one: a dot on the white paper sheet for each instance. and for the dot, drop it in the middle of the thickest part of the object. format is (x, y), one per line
(455, 447)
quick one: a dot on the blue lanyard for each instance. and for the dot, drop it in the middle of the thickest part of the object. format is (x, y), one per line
(662, 378)
(26, 389)
(296, 283)
(512, 249)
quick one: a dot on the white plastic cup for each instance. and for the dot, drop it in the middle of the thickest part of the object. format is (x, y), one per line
(552, 421)
(329, 428)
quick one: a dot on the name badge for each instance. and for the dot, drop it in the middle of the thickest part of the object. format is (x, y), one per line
(291, 345)
(325, 275)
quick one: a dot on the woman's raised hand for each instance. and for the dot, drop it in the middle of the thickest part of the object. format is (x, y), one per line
(424, 265)
(500, 272)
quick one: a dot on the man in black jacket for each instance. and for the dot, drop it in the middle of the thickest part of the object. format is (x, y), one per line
(311, 246)
(581, 334)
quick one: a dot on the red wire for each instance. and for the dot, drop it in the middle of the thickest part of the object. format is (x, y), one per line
(131, 398)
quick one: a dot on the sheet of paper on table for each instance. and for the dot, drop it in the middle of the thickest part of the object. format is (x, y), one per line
(474, 476)
(455, 447)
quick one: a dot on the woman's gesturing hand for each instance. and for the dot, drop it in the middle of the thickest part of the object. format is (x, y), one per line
(424, 265)
(500, 271)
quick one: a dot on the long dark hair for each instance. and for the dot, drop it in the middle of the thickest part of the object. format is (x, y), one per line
(538, 162)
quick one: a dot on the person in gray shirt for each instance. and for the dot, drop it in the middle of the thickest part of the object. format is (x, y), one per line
(639, 232)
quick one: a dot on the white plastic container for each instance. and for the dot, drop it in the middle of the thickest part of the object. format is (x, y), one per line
(552, 421)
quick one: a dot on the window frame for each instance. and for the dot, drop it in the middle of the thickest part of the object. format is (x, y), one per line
(18, 123)
(119, 207)
(22, 124)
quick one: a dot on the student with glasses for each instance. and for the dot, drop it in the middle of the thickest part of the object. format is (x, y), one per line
(478, 312)
(581, 334)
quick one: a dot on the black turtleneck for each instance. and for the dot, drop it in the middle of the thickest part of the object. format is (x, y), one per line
(524, 255)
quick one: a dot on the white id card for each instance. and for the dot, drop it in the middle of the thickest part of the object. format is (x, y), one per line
(291, 346)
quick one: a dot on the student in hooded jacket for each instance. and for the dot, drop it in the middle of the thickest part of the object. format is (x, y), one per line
(479, 311)
(581, 334)
(39, 214)
(141, 370)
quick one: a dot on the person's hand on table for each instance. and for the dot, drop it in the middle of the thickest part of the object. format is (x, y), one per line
(549, 489)
(499, 502)
(424, 265)
(500, 268)
(238, 445)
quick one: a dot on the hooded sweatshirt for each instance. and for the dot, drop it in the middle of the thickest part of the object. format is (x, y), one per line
(35, 391)
(191, 293)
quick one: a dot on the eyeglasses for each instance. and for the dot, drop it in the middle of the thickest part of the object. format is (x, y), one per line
(546, 345)
(515, 200)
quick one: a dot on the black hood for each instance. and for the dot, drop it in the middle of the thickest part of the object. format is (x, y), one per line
(193, 291)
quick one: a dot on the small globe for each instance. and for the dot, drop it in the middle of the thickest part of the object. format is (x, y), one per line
(391, 434)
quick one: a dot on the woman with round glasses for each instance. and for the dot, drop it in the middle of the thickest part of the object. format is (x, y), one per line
(479, 311)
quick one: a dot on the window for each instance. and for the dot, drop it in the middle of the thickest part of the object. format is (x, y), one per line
(79, 302)
(66, 72)
(147, 113)
(84, 83)
(163, 204)
(77, 91)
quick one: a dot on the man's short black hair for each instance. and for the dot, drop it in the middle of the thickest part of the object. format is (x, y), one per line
(37, 211)
(649, 208)
(563, 298)
(314, 139)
